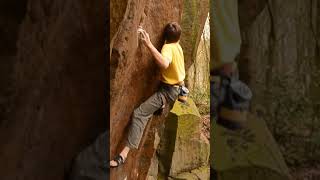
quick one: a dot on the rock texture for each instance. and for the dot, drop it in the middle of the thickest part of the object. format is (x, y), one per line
(280, 62)
(194, 16)
(183, 148)
(134, 75)
(198, 76)
(56, 105)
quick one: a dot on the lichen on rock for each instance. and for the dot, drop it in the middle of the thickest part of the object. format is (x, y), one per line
(182, 148)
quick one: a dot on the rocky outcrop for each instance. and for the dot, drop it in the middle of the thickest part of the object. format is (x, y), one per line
(56, 105)
(134, 75)
(280, 62)
(183, 150)
(194, 16)
(198, 76)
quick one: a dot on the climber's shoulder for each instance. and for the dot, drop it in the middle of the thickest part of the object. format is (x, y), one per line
(173, 46)
(168, 45)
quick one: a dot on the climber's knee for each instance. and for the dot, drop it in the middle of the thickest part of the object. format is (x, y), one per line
(140, 118)
(136, 112)
(131, 145)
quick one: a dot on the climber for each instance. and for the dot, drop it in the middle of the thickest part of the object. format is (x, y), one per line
(171, 63)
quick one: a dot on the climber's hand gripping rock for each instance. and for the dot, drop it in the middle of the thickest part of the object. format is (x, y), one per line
(161, 61)
(144, 36)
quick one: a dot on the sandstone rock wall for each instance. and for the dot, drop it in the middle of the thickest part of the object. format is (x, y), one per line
(134, 76)
(57, 73)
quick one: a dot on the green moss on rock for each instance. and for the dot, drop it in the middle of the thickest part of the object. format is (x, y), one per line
(185, 108)
(194, 16)
(182, 148)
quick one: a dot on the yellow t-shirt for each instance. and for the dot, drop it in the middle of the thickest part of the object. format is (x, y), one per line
(175, 73)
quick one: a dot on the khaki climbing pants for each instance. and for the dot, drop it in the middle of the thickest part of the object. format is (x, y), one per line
(224, 32)
(166, 95)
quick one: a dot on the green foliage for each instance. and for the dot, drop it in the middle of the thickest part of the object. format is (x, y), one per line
(202, 100)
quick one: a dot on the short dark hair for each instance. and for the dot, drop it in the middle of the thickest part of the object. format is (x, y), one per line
(172, 32)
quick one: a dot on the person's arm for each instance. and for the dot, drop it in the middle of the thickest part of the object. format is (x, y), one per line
(161, 61)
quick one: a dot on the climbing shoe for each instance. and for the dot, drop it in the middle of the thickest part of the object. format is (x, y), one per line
(119, 160)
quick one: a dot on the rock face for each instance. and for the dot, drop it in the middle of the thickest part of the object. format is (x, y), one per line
(55, 102)
(182, 147)
(134, 75)
(280, 62)
(198, 76)
(194, 16)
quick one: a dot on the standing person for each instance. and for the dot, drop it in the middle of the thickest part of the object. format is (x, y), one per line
(171, 62)
(226, 43)
(225, 46)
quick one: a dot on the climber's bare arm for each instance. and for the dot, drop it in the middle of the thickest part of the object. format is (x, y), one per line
(161, 61)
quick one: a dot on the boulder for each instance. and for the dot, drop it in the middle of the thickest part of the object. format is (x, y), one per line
(183, 148)
(202, 173)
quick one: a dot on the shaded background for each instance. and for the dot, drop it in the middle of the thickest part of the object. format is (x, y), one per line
(53, 85)
(280, 62)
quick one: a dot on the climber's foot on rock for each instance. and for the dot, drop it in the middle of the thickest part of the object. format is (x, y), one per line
(117, 161)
